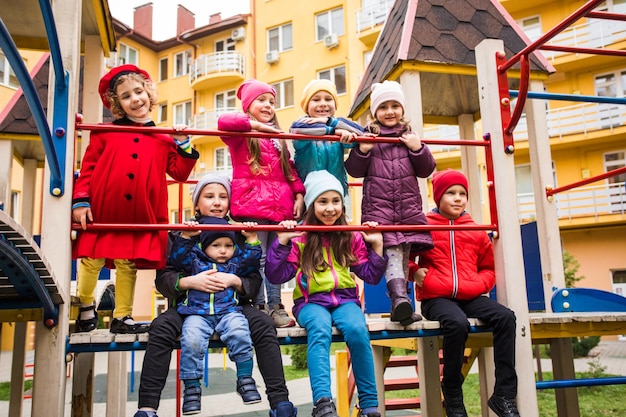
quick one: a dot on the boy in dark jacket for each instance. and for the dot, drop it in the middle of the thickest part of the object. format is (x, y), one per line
(451, 282)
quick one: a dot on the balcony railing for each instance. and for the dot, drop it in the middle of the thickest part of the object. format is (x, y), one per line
(588, 201)
(208, 119)
(215, 63)
(597, 33)
(373, 15)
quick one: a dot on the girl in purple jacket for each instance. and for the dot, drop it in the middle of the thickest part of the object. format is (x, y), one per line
(266, 188)
(326, 293)
(391, 193)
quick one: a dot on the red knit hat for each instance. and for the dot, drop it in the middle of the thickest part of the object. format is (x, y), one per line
(107, 82)
(443, 180)
(250, 90)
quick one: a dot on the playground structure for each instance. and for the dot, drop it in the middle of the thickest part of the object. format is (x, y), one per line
(497, 123)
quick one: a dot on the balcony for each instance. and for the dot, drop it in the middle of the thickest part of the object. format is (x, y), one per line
(597, 33)
(216, 70)
(208, 119)
(598, 203)
(369, 20)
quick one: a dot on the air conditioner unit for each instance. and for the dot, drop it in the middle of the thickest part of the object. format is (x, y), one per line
(238, 34)
(330, 41)
(271, 57)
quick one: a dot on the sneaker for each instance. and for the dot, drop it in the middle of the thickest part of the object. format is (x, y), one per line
(503, 407)
(370, 414)
(141, 413)
(126, 325)
(246, 388)
(284, 409)
(192, 400)
(324, 407)
(453, 403)
(87, 325)
(281, 317)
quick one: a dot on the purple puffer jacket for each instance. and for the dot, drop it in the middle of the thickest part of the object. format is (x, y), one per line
(391, 194)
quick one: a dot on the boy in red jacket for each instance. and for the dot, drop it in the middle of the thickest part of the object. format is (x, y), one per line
(452, 281)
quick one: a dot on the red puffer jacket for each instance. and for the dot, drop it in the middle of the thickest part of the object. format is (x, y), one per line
(460, 266)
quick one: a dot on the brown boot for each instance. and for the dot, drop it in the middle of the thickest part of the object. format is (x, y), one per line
(401, 308)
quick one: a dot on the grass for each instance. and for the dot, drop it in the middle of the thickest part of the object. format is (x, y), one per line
(5, 389)
(605, 401)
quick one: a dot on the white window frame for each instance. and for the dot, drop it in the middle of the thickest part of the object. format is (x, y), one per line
(284, 93)
(228, 101)
(225, 45)
(531, 25)
(164, 77)
(222, 159)
(612, 164)
(187, 215)
(328, 22)
(331, 75)
(124, 55)
(182, 63)
(182, 113)
(162, 112)
(8, 74)
(284, 38)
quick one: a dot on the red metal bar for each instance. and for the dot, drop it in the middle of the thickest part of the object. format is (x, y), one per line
(607, 15)
(180, 202)
(505, 105)
(521, 100)
(491, 185)
(591, 51)
(279, 228)
(284, 135)
(581, 12)
(608, 174)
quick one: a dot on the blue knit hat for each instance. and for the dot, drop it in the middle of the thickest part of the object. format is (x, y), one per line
(317, 183)
(209, 236)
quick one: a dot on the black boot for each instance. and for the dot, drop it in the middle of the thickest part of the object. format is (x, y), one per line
(453, 403)
(401, 308)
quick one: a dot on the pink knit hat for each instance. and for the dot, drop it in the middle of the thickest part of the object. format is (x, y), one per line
(443, 180)
(250, 90)
(385, 91)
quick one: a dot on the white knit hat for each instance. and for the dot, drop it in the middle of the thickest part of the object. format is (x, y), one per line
(317, 183)
(209, 179)
(385, 91)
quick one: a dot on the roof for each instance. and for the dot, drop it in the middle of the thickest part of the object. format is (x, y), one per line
(438, 38)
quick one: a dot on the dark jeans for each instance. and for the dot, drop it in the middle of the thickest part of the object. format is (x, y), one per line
(452, 315)
(164, 333)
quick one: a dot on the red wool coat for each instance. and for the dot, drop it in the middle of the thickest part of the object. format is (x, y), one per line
(123, 178)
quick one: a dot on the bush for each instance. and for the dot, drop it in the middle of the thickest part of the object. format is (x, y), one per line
(298, 357)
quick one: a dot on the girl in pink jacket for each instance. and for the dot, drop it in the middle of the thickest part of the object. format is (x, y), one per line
(265, 188)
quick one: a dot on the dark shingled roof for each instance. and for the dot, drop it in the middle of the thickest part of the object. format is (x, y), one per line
(444, 32)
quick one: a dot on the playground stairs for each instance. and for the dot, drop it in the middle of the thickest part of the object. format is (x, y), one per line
(408, 379)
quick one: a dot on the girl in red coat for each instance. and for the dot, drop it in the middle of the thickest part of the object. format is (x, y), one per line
(451, 281)
(266, 185)
(122, 180)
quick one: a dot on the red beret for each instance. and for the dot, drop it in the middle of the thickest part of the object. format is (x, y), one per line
(443, 180)
(108, 80)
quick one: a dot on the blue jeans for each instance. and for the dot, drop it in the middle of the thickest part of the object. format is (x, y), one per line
(273, 290)
(197, 330)
(350, 320)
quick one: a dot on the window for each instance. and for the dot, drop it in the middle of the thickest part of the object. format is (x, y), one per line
(610, 85)
(531, 27)
(163, 62)
(187, 215)
(222, 160)
(227, 45)
(284, 94)
(280, 38)
(225, 101)
(337, 76)
(615, 160)
(15, 204)
(162, 113)
(182, 61)
(127, 55)
(182, 113)
(329, 22)
(7, 76)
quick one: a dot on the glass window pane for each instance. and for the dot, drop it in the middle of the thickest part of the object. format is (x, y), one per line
(340, 80)
(323, 25)
(337, 21)
(288, 93)
(272, 40)
(287, 37)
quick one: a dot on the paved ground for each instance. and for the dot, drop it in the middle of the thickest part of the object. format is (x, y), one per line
(219, 398)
